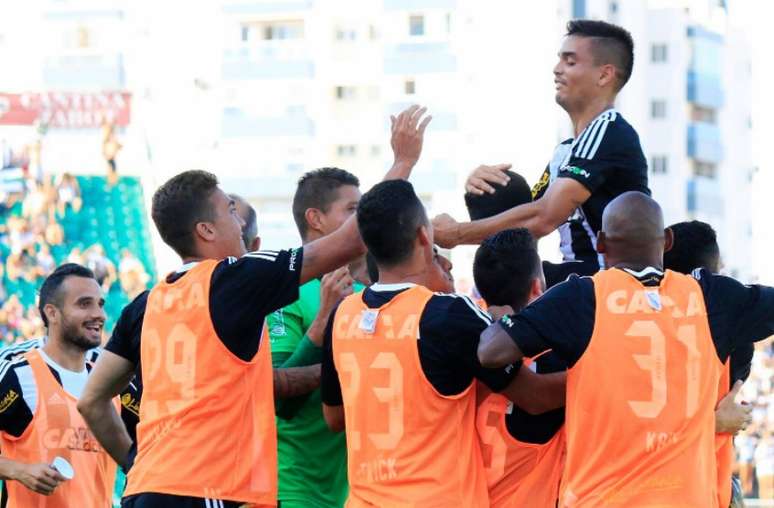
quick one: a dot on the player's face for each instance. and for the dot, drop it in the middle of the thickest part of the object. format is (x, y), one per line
(227, 225)
(82, 317)
(341, 209)
(575, 75)
(441, 276)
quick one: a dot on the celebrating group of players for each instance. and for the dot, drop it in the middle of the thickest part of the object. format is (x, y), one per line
(576, 387)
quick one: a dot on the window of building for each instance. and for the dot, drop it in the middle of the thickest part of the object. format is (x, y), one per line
(376, 151)
(416, 25)
(410, 87)
(705, 169)
(658, 108)
(373, 34)
(346, 150)
(658, 53)
(659, 164)
(346, 93)
(346, 34)
(612, 8)
(245, 33)
(700, 114)
(448, 22)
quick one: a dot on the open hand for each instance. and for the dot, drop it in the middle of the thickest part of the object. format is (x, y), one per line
(479, 180)
(408, 135)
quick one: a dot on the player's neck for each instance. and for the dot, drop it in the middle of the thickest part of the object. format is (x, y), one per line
(66, 355)
(408, 273)
(592, 109)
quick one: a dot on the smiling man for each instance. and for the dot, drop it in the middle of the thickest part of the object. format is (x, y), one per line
(38, 392)
(603, 160)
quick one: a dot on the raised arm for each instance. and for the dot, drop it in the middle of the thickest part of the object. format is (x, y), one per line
(344, 245)
(541, 217)
(110, 376)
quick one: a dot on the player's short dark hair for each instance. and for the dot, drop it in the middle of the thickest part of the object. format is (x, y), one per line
(388, 217)
(695, 246)
(611, 44)
(318, 189)
(516, 192)
(504, 267)
(181, 203)
(50, 289)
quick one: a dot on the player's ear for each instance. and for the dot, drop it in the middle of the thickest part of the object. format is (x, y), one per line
(669, 239)
(607, 75)
(424, 236)
(601, 248)
(255, 245)
(205, 231)
(536, 288)
(52, 313)
(314, 219)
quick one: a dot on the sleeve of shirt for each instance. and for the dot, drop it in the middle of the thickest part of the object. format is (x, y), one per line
(15, 415)
(247, 289)
(602, 149)
(125, 340)
(741, 363)
(450, 329)
(285, 329)
(330, 387)
(562, 319)
(737, 314)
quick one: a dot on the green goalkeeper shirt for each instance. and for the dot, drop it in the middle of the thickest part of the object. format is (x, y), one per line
(312, 459)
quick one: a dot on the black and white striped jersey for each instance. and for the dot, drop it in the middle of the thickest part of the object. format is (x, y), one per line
(10, 352)
(607, 159)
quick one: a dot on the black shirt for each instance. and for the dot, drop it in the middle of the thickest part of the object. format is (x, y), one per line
(563, 318)
(607, 159)
(242, 292)
(449, 330)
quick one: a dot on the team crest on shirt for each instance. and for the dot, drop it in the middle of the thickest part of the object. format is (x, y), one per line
(9, 399)
(654, 300)
(368, 320)
(278, 327)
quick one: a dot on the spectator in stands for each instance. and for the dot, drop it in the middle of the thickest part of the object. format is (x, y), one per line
(45, 260)
(54, 233)
(132, 275)
(68, 192)
(110, 149)
(76, 256)
(104, 269)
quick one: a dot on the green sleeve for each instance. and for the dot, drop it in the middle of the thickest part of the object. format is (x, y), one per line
(307, 353)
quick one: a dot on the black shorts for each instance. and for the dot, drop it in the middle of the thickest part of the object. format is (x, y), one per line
(558, 272)
(151, 500)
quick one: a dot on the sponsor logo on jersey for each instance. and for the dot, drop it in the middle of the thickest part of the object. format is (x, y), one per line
(9, 399)
(131, 404)
(506, 320)
(575, 170)
(292, 263)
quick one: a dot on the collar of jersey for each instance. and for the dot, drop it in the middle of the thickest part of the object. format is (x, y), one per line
(645, 271)
(187, 267)
(399, 286)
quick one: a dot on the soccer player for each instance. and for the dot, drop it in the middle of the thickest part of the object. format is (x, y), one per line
(39, 421)
(695, 246)
(645, 349)
(399, 369)
(523, 453)
(250, 229)
(207, 432)
(312, 459)
(603, 159)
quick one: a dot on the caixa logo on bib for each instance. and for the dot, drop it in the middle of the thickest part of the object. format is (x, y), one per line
(77, 439)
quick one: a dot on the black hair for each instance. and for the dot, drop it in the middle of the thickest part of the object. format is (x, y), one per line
(695, 246)
(504, 267)
(49, 290)
(181, 203)
(516, 192)
(388, 217)
(318, 189)
(611, 44)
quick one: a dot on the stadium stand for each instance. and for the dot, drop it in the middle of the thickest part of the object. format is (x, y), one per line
(80, 219)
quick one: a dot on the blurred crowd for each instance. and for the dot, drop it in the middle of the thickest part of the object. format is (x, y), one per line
(31, 209)
(755, 445)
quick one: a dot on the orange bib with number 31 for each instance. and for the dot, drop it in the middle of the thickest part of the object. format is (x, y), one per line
(207, 417)
(407, 445)
(640, 401)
